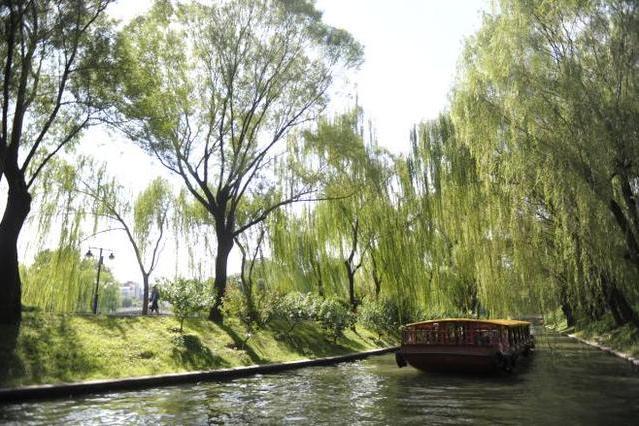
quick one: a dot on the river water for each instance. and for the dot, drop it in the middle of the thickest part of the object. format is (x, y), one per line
(564, 382)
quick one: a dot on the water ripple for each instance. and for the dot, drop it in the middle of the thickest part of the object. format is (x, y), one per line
(564, 383)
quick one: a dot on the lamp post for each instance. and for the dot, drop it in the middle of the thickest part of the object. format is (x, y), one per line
(97, 280)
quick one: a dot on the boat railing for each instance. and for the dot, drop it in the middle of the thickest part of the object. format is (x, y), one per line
(456, 337)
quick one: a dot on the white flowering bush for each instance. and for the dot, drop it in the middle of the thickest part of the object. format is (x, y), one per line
(297, 307)
(187, 296)
(335, 317)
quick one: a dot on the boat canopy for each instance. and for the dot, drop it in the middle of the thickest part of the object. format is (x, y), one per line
(503, 322)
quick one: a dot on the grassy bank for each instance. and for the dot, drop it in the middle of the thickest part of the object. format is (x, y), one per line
(65, 348)
(622, 339)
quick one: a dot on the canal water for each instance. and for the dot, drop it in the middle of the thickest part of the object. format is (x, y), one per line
(564, 382)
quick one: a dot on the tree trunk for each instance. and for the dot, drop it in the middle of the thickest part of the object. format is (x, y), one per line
(567, 310)
(595, 310)
(376, 279)
(626, 228)
(625, 309)
(250, 301)
(621, 310)
(15, 214)
(247, 283)
(351, 286)
(317, 270)
(351, 269)
(474, 300)
(378, 285)
(594, 303)
(145, 294)
(224, 246)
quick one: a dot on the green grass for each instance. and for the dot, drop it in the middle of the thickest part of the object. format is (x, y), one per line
(66, 348)
(623, 339)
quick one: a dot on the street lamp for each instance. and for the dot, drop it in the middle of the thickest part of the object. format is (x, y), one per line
(89, 255)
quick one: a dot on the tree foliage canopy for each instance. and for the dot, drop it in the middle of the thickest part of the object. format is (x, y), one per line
(520, 198)
(210, 90)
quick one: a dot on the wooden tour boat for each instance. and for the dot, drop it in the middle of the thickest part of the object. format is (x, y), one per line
(459, 344)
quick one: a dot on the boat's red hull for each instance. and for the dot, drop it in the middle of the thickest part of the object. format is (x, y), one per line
(452, 362)
(450, 359)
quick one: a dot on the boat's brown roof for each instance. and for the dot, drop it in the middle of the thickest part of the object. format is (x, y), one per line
(506, 322)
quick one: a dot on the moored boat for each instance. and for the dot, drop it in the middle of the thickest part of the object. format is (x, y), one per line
(460, 344)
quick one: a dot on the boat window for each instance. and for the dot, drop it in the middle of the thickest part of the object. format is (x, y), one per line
(466, 333)
(460, 333)
(484, 336)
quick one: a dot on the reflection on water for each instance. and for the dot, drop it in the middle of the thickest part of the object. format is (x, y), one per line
(565, 382)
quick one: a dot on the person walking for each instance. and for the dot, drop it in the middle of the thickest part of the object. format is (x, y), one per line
(155, 299)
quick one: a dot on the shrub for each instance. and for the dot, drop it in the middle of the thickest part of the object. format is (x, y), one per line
(296, 307)
(383, 316)
(266, 305)
(109, 299)
(264, 310)
(186, 296)
(335, 316)
(234, 305)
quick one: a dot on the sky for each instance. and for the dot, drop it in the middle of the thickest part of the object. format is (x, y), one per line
(411, 53)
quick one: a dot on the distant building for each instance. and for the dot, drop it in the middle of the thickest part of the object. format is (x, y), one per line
(131, 290)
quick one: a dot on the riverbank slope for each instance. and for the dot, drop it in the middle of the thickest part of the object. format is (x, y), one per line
(620, 339)
(68, 348)
(624, 340)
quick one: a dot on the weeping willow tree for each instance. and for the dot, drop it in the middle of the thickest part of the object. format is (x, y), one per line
(438, 205)
(62, 280)
(334, 237)
(301, 258)
(463, 218)
(377, 236)
(546, 104)
(58, 283)
(79, 201)
(523, 198)
(145, 221)
(305, 258)
(59, 279)
(251, 258)
(195, 237)
(356, 186)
